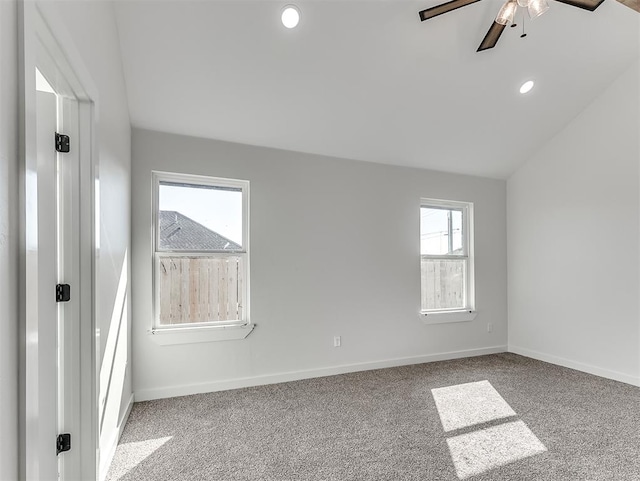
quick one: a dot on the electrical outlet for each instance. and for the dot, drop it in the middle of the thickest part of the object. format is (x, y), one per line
(337, 341)
(489, 326)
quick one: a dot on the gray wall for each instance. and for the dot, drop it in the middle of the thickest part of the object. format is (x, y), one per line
(334, 251)
(8, 240)
(574, 241)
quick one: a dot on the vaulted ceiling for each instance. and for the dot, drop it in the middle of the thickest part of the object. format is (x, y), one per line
(367, 80)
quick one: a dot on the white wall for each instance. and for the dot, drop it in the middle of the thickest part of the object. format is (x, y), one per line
(334, 251)
(88, 31)
(8, 240)
(574, 245)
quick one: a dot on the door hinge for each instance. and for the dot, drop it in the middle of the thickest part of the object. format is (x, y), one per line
(63, 443)
(62, 143)
(63, 292)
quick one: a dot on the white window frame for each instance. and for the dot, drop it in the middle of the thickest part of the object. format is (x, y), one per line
(468, 312)
(200, 331)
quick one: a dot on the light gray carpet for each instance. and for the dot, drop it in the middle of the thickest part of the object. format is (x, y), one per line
(385, 425)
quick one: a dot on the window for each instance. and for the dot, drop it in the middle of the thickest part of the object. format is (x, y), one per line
(446, 256)
(201, 251)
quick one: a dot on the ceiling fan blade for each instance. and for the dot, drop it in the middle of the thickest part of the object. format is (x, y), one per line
(492, 37)
(444, 8)
(633, 4)
(590, 5)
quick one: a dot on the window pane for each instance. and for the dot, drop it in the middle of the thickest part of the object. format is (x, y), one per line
(200, 289)
(441, 231)
(456, 227)
(443, 284)
(199, 218)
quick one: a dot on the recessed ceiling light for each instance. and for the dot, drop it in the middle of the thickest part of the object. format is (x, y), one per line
(290, 16)
(526, 87)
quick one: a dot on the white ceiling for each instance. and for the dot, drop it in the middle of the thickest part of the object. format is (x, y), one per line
(367, 80)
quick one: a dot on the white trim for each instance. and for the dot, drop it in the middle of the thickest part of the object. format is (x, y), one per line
(71, 60)
(187, 389)
(444, 204)
(446, 257)
(69, 269)
(196, 180)
(442, 317)
(108, 454)
(467, 250)
(40, 23)
(578, 366)
(207, 333)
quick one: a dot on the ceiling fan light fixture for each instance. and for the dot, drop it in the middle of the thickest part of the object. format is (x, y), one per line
(524, 3)
(507, 12)
(537, 8)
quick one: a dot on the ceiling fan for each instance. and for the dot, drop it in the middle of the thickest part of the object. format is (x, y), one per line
(508, 10)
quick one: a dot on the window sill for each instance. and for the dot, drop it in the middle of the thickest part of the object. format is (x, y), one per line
(442, 317)
(191, 335)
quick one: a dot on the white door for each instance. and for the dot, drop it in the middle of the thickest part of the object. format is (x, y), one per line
(42, 412)
(59, 225)
(68, 245)
(58, 218)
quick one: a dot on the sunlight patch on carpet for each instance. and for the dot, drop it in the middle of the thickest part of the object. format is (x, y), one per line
(479, 451)
(469, 404)
(132, 454)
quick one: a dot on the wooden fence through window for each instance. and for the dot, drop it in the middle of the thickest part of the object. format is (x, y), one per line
(200, 289)
(442, 283)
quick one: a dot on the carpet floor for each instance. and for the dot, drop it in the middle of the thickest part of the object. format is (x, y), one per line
(497, 417)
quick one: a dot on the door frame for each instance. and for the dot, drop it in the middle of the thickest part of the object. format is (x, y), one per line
(45, 43)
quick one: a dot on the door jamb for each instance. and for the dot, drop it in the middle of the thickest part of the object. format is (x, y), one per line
(40, 25)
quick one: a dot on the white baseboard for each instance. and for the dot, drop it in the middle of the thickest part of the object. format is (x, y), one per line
(578, 366)
(107, 454)
(187, 389)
